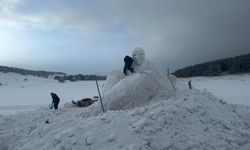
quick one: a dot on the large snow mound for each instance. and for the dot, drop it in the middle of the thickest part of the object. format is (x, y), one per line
(191, 120)
(138, 89)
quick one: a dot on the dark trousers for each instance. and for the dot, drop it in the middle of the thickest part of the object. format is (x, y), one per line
(56, 105)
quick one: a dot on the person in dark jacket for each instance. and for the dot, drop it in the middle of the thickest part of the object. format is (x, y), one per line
(128, 65)
(55, 100)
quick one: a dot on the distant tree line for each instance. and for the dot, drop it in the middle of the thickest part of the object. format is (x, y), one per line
(79, 77)
(44, 74)
(233, 65)
(60, 76)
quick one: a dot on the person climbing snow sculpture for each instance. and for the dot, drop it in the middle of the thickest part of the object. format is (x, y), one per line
(137, 65)
(134, 64)
(128, 65)
(146, 83)
(55, 100)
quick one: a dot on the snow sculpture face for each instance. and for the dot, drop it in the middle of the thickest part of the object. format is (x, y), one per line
(138, 56)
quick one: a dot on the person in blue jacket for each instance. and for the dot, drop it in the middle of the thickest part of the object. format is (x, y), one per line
(55, 100)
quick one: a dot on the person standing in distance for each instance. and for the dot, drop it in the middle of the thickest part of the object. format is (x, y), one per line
(55, 100)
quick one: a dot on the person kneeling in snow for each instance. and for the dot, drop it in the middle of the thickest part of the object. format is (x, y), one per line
(84, 102)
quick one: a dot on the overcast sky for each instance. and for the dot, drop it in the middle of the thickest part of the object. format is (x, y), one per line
(93, 36)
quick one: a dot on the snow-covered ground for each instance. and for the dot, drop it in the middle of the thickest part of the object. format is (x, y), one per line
(11, 110)
(29, 92)
(234, 89)
(188, 120)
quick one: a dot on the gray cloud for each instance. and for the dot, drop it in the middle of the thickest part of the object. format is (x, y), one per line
(175, 33)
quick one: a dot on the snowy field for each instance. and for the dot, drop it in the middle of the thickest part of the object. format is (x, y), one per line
(234, 89)
(188, 120)
(20, 93)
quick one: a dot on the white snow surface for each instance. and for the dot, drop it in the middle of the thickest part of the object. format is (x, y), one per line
(20, 90)
(234, 89)
(192, 120)
(170, 120)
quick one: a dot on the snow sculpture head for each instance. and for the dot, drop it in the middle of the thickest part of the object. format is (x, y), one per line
(138, 55)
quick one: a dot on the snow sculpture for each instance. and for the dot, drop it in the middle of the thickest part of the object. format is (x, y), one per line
(139, 58)
(147, 84)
